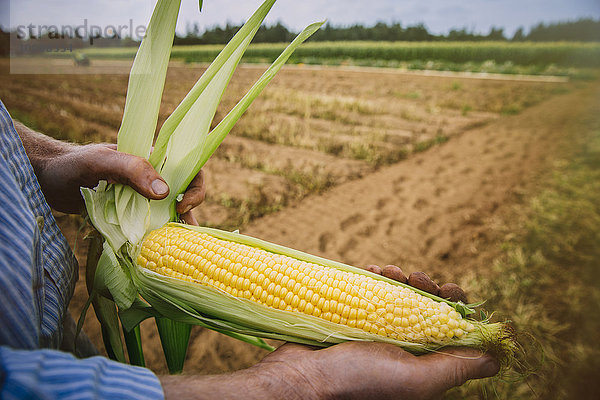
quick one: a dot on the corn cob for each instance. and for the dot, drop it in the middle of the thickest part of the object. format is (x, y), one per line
(285, 283)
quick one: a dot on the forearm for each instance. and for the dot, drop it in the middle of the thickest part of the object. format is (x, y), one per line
(40, 148)
(258, 382)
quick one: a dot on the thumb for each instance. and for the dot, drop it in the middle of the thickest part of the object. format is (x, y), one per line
(134, 171)
(287, 350)
(453, 367)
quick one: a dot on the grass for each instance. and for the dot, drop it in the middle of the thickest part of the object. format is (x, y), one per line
(255, 206)
(315, 180)
(426, 144)
(548, 282)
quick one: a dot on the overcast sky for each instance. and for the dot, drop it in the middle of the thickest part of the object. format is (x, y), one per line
(439, 16)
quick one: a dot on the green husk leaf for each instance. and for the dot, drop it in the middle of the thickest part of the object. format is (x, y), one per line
(224, 127)
(144, 93)
(112, 276)
(99, 203)
(133, 342)
(183, 136)
(81, 319)
(147, 80)
(140, 311)
(133, 212)
(106, 313)
(248, 30)
(174, 337)
(134, 315)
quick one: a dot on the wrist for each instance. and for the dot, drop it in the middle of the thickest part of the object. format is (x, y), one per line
(263, 381)
(280, 380)
(41, 148)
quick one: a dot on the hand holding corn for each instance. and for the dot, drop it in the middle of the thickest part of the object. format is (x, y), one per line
(62, 168)
(354, 370)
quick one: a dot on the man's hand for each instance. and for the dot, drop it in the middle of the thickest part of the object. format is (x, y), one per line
(352, 370)
(360, 370)
(63, 168)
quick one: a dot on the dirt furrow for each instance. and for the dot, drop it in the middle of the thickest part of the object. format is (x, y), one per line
(432, 207)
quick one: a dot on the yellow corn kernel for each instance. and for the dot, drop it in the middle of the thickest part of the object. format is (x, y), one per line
(292, 285)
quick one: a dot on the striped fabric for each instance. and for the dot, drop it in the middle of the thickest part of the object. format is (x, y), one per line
(50, 374)
(37, 279)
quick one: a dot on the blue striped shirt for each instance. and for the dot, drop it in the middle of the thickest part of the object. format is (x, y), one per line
(37, 279)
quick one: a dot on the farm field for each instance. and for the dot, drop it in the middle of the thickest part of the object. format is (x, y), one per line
(501, 57)
(309, 131)
(578, 60)
(430, 173)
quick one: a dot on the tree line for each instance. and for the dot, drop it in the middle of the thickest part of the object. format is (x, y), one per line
(583, 30)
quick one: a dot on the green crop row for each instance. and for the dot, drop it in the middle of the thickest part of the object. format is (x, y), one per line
(522, 53)
(558, 53)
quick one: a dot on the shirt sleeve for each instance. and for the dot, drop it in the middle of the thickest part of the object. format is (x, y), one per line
(51, 374)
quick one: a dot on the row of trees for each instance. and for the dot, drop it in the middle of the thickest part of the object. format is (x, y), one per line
(585, 30)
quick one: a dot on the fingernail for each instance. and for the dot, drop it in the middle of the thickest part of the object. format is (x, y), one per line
(187, 208)
(159, 187)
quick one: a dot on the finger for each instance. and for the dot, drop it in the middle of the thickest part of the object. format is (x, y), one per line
(130, 170)
(189, 218)
(453, 367)
(194, 195)
(290, 347)
(286, 350)
(421, 281)
(394, 272)
(453, 292)
(376, 269)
